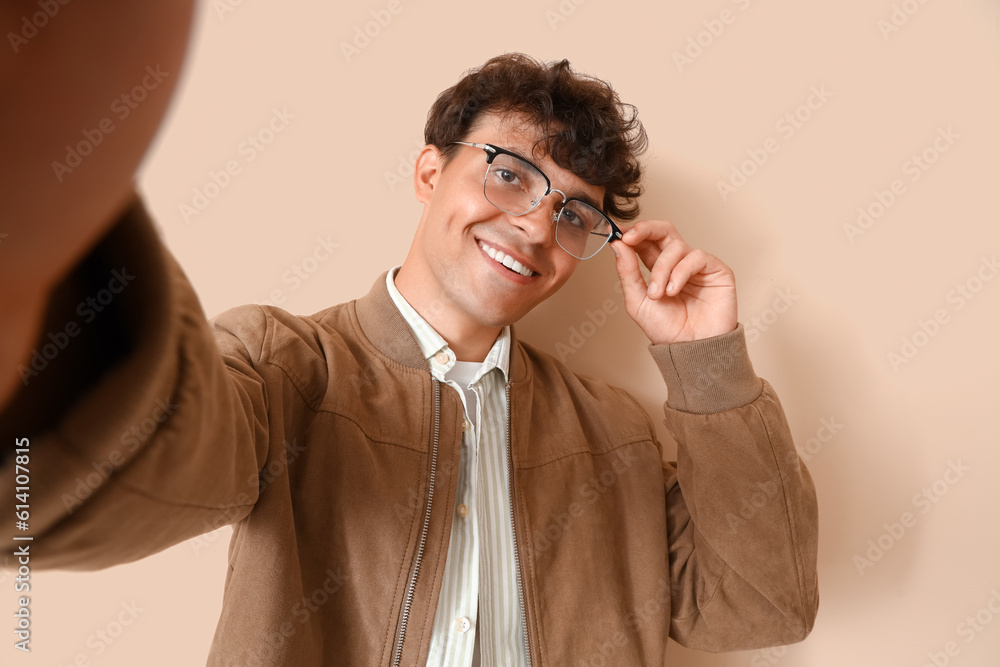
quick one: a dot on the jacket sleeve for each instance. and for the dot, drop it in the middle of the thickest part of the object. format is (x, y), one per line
(163, 438)
(741, 507)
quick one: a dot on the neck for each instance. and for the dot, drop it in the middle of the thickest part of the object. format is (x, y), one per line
(469, 340)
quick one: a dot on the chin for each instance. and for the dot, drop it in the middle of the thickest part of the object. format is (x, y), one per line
(498, 320)
(495, 317)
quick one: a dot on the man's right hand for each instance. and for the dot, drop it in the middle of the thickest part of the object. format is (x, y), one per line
(71, 142)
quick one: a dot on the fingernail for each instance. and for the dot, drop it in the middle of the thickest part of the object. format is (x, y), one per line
(614, 249)
(670, 287)
(653, 287)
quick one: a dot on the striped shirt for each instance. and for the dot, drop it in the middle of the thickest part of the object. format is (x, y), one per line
(479, 610)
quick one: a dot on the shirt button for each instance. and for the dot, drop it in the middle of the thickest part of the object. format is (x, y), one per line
(463, 511)
(466, 425)
(441, 358)
(463, 624)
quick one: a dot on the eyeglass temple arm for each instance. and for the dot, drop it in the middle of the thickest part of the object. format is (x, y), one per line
(616, 232)
(485, 147)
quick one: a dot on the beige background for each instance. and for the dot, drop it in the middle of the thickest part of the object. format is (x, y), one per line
(897, 429)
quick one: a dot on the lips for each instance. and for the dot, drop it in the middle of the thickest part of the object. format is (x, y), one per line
(506, 260)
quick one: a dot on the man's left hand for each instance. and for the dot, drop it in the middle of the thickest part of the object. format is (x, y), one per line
(691, 294)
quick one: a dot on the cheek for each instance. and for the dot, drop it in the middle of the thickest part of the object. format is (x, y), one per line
(460, 207)
(565, 264)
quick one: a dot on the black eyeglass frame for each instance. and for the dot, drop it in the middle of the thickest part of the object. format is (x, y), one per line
(492, 151)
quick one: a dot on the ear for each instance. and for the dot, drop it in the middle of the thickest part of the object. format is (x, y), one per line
(426, 172)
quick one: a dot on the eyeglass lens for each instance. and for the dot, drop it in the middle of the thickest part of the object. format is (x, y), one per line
(515, 186)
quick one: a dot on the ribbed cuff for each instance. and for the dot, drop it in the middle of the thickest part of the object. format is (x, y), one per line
(708, 375)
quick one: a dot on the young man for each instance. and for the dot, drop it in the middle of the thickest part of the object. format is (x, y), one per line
(408, 482)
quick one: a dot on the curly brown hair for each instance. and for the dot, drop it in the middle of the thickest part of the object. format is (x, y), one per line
(585, 127)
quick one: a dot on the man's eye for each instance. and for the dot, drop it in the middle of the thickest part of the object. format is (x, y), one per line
(507, 175)
(572, 218)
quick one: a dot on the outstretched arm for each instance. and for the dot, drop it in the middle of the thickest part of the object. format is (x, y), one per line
(68, 155)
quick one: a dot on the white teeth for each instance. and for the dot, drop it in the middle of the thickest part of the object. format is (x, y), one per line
(506, 260)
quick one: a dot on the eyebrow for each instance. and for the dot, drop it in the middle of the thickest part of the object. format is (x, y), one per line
(587, 199)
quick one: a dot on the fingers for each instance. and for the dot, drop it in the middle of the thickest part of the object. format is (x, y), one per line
(633, 284)
(671, 261)
(652, 230)
(649, 237)
(694, 263)
(660, 248)
(662, 276)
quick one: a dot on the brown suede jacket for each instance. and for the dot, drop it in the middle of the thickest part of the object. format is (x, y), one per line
(332, 451)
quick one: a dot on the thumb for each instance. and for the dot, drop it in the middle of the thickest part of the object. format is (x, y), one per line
(633, 284)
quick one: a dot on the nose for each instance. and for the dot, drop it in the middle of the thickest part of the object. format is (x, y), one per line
(538, 224)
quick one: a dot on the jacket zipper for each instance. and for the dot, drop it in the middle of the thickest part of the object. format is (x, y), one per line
(398, 652)
(517, 558)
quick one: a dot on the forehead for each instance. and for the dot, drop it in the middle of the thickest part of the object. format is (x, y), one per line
(513, 131)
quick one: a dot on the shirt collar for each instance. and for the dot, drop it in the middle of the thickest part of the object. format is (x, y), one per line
(432, 344)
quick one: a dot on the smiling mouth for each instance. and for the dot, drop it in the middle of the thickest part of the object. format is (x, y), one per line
(507, 261)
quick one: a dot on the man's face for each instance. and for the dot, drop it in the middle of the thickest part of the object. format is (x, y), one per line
(458, 277)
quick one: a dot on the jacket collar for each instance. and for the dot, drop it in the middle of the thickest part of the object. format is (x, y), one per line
(383, 325)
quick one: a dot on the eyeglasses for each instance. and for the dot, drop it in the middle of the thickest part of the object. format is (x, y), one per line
(516, 186)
